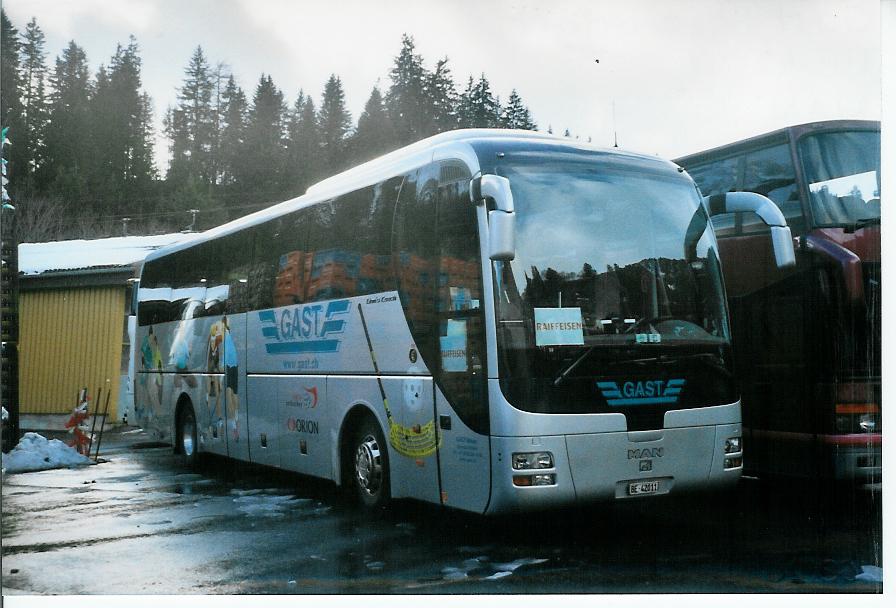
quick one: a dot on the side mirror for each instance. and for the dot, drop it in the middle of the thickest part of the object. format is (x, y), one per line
(502, 219)
(768, 212)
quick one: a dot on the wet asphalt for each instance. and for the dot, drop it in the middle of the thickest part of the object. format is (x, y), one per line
(140, 523)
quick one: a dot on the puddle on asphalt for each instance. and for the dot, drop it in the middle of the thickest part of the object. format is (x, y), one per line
(483, 568)
(264, 504)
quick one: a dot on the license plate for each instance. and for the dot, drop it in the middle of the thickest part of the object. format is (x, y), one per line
(643, 487)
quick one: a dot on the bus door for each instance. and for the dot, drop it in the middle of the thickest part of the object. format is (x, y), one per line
(461, 406)
(412, 432)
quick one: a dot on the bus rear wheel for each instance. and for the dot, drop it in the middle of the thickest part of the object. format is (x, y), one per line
(370, 466)
(187, 440)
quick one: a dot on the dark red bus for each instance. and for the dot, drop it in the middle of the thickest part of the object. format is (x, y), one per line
(807, 339)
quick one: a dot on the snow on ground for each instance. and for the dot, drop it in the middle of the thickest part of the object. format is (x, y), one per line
(36, 453)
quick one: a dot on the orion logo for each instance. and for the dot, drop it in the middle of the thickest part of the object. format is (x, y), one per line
(304, 329)
(642, 392)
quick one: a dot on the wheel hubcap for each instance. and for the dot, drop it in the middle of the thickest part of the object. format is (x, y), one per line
(369, 466)
(187, 433)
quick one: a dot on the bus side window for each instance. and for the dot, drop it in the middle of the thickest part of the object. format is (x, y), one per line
(190, 281)
(376, 273)
(770, 172)
(413, 258)
(154, 294)
(325, 264)
(235, 257)
(360, 260)
(278, 265)
(461, 370)
(718, 177)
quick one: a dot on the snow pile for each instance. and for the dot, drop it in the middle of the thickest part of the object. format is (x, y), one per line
(871, 574)
(36, 453)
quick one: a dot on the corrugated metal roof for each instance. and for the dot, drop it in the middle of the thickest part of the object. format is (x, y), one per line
(68, 256)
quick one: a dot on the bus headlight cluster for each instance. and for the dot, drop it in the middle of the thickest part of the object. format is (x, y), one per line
(732, 445)
(532, 460)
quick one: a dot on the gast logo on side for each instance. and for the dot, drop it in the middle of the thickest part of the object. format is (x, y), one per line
(304, 329)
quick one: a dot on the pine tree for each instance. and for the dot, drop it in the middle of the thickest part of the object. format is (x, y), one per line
(406, 98)
(191, 125)
(122, 130)
(263, 163)
(11, 100)
(234, 115)
(9, 70)
(516, 115)
(441, 99)
(219, 76)
(375, 134)
(65, 170)
(478, 107)
(33, 72)
(304, 144)
(334, 122)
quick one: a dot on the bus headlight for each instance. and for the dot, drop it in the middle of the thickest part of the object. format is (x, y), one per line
(732, 445)
(532, 460)
(734, 463)
(543, 479)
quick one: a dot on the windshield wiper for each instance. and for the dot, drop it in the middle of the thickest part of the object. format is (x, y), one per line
(560, 378)
(712, 358)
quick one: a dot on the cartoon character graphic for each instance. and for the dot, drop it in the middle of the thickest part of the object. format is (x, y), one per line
(151, 384)
(412, 391)
(213, 365)
(231, 376)
(179, 357)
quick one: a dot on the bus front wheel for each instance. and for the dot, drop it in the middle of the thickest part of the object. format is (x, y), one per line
(370, 465)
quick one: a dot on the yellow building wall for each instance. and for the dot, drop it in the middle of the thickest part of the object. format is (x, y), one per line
(69, 339)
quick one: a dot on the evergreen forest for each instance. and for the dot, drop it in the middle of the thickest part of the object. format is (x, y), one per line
(81, 161)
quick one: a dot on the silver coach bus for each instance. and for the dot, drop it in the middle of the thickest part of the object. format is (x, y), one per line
(489, 320)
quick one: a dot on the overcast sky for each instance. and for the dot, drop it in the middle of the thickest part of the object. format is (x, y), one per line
(683, 75)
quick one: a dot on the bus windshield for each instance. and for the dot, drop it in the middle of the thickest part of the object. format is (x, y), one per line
(616, 278)
(843, 177)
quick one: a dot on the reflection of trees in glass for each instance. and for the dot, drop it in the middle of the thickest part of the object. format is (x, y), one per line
(630, 291)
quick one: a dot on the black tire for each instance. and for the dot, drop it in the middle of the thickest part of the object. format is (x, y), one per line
(187, 438)
(369, 465)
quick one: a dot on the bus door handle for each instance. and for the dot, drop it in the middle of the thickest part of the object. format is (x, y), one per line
(445, 423)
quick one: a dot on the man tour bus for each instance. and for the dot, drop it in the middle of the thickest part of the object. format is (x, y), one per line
(487, 320)
(807, 339)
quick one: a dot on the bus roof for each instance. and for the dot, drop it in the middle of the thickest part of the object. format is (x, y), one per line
(793, 131)
(460, 143)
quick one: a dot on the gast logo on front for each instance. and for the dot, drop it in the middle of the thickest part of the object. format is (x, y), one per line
(642, 392)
